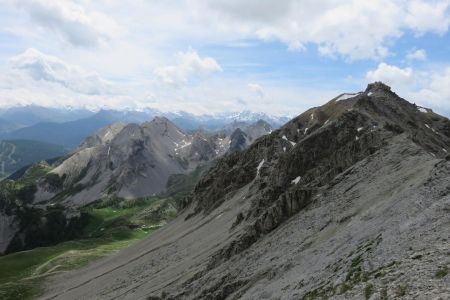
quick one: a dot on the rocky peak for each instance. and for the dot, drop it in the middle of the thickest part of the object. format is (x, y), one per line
(238, 141)
(102, 136)
(160, 120)
(322, 142)
(377, 87)
(163, 127)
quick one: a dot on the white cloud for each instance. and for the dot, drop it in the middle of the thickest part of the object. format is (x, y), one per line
(70, 21)
(256, 88)
(428, 16)
(352, 29)
(419, 54)
(436, 93)
(190, 65)
(132, 46)
(391, 75)
(41, 67)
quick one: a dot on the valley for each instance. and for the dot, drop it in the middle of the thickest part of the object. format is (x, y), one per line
(224, 150)
(60, 234)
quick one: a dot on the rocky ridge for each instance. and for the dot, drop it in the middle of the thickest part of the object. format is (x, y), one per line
(348, 200)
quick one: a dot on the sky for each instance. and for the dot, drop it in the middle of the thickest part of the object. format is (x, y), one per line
(272, 56)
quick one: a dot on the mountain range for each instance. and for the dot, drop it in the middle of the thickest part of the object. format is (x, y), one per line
(346, 201)
(69, 127)
(132, 161)
(119, 161)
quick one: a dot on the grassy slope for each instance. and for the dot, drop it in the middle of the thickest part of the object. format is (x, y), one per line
(22, 273)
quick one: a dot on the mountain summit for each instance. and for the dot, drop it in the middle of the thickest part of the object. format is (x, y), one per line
(345, 201)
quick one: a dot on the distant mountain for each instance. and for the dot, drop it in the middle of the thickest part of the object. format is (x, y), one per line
(243, 134)
(16, 154)
(6, 126)
(116, 163)
(68, 127)
(191, 122)
(70, 134)
(131, 161)
(29, 115)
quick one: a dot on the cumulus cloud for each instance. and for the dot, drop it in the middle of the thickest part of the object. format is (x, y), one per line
(352, 29)
(70, 21)
(419, 54)
(190, 65)
(151, 30)
(391, 75)
(42, 67)
(428, 16)
(437, 92)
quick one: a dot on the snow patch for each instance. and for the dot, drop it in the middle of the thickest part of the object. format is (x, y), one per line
(312, 116)
(109, 150)
(360, 128)
(259, 167)
(370, 94)
(432, 129)
(286, 139)
(357, 138)
(444, 150)
(296, 180)
(346, 96)
(306, 130)
(326, 122)
(284, 149)
(422, 109)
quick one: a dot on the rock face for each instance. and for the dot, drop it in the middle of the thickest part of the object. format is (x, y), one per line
(8, 228)
(349, 200)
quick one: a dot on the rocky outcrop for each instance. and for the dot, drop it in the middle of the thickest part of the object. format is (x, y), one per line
(8, 229)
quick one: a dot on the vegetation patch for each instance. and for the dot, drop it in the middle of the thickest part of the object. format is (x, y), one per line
(400, 291)
(106, 230)
(442, 272)
(368, 291)
(97, 230)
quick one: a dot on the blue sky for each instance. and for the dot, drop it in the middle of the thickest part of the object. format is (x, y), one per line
(279, 57)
